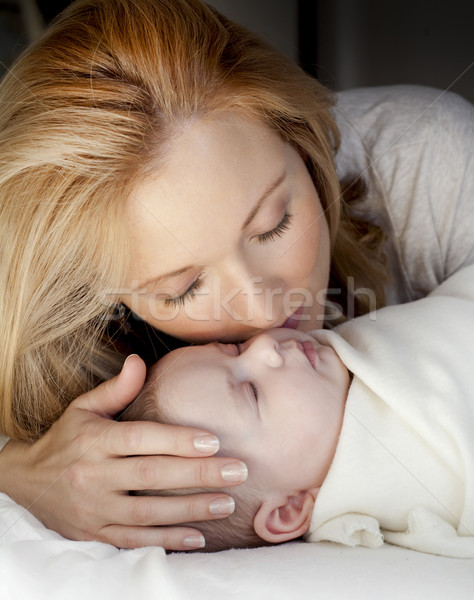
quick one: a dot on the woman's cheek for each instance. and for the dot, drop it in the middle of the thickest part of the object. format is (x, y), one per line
(303, 253)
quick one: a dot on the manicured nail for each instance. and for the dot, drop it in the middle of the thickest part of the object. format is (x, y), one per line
(194, 541)
(222, 506)
(126, 360)
(206, 443)
(234, 472)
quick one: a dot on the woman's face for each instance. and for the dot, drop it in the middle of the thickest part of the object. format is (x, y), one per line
(228, 237)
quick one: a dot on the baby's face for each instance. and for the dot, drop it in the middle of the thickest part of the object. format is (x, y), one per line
(276, 401)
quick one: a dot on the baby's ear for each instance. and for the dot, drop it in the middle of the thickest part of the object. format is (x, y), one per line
(278, 522)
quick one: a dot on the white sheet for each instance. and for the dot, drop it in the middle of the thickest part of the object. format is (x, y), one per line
(36, 563)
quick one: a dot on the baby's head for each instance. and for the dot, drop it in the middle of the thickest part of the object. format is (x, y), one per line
(276, 401)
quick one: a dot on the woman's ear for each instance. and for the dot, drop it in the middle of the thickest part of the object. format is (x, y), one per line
(278, 522)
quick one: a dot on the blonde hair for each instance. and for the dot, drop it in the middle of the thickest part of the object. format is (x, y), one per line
(86, 112)
(234, 531)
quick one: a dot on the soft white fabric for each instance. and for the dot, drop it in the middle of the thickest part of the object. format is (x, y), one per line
(405, 456)
(36, 564)
(420, 181)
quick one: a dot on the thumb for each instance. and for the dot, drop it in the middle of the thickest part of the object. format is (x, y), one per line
(114, 395)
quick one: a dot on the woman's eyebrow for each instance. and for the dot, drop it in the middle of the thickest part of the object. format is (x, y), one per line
(253, 213)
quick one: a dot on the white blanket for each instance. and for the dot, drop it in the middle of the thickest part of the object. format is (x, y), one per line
(404, 465)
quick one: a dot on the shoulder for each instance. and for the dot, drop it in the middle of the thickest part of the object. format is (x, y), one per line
(380, 120)
(413, 145)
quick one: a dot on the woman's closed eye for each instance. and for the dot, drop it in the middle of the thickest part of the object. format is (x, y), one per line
(277, 231)
(188, 294)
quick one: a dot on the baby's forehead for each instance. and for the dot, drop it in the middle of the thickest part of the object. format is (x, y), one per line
(189, 356)
(190, 385)
(190, 364)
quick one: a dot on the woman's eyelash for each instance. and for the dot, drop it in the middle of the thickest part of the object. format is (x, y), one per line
(278, 231)
(188, 294)
(254, 390)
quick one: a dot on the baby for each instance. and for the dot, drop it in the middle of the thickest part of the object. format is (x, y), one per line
(383, 451)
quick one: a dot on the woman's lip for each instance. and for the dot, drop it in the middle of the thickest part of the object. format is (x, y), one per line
(310, 353)
(293, 321)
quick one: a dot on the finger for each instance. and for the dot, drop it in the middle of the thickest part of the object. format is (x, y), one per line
(146, 511)
(127, 438)
(114, 395)
(170, 538)
(171, 473)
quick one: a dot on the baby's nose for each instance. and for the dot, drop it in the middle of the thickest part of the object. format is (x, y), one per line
(268, 350)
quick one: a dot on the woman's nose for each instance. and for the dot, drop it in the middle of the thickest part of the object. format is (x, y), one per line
(257, 302)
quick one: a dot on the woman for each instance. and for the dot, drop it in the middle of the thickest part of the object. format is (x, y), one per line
(159, 158)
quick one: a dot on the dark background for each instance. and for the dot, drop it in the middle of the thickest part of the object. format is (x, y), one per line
(345, 43)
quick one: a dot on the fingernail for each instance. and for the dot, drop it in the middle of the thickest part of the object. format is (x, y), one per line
(222, 506)
(234, 472)
(206, 443)
(194, 541)
(126, 360)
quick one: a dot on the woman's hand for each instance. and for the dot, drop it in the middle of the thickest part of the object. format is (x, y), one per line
(75, 478)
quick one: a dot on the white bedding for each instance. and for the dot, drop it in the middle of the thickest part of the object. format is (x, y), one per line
(36, 563)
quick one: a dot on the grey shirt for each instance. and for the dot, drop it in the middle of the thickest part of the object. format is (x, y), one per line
(415, 147)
